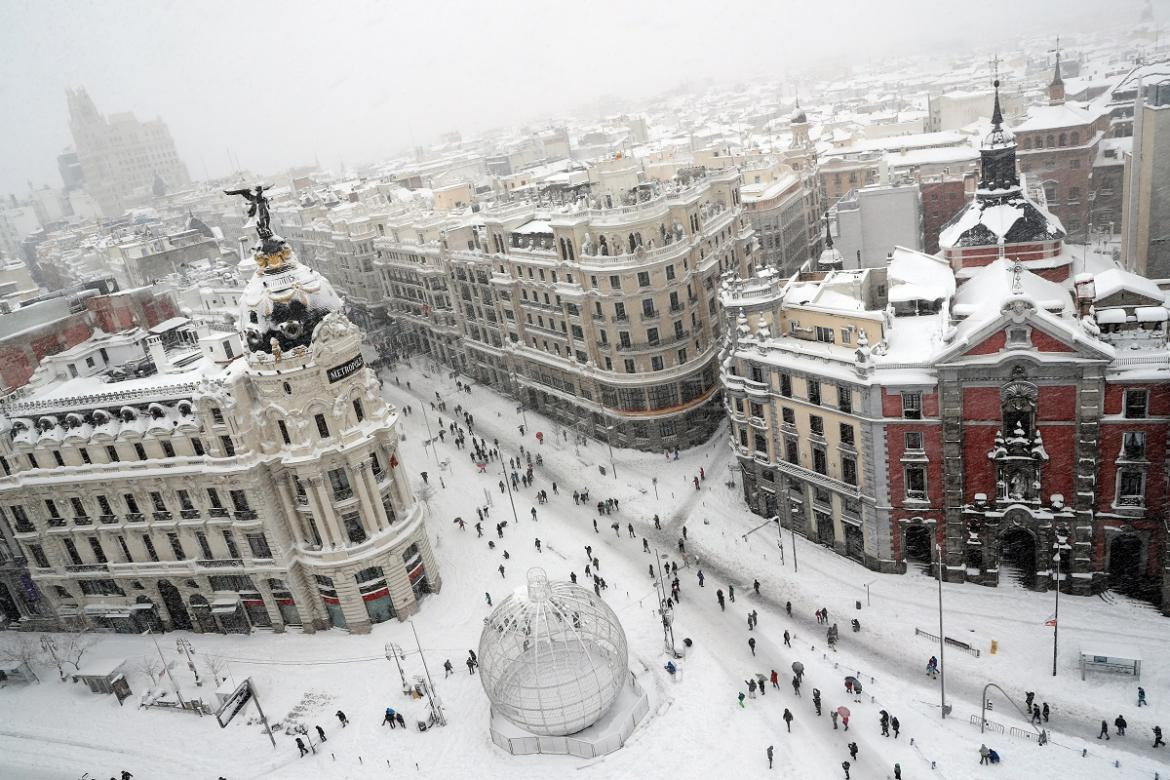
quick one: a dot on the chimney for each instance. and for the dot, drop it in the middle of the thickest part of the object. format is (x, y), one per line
(155, 347)
(1086, 292)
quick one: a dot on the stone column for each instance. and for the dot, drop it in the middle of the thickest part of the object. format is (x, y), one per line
(270, 606)
(367, 476)
(325, 510)
(289, 506)
(369, 518)
(308, 600)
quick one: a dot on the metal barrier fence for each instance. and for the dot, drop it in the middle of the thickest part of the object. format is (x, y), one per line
(952, 642)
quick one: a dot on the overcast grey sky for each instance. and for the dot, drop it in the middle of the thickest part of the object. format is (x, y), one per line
(355, 80)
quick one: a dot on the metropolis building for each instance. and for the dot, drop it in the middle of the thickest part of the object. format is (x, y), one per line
(216, 492)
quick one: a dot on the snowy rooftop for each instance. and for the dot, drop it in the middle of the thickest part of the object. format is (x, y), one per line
(1056, 117)
(917, 276)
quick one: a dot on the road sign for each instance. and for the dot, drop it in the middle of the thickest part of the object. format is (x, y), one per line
(236, 702)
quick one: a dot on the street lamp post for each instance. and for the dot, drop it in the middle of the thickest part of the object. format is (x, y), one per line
(608, 443)
(508, 485)
(941, 636)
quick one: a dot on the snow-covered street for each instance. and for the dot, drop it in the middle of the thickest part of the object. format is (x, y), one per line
(695, 726)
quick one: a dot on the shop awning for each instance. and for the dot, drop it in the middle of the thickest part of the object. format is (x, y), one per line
(225, 606)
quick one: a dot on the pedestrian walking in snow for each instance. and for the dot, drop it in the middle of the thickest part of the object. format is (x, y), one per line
(719, 598)
(533, 513)
(833, 717)
(885, 722)
(762, 682)
(630, 529)
(1044, 712)
(401, 721)
(1035, 713)
(845, 721)
(731, 592)
(1142, 697)
(501, 571)
(817, 700)
(1119, 722)
(788, 719)
(488, 596)
(1158, 737)
(321, 733)
(756, 586)
(769, 756)
(751, 686)
(796, 685)
(1029, 697)
(701, 578)
(787, 639)
(657, 523)
(895, 726)
(984, 755)
(788, 608)
(389, 717)
(897, 772)
(775, 679)
(1104, 731)
(741, 698)
(301, 747)
(845, 766)
(752, 644)
(853, 750)
(573, 577)
(342, 719)
(538, 546)
(645, 546)
(447, 668)
(478, 530)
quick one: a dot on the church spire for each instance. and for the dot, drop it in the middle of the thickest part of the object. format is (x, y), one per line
(998, 154)
(1056, 86)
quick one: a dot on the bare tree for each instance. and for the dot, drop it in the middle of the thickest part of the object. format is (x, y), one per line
(22, 649)
(425, 493)
(73, 647)
(215, 667)
(152, 667)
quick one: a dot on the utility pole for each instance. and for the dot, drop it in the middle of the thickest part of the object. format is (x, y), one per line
(430, 436)
(942, 641)
(184, 646)
(436, 708)
(394, 653)
(667, 619)
(167, 669)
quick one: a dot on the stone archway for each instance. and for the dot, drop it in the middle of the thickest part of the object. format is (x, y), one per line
(173, 600)
(917, 544)
(1017, 557)
(1127, 570)
(8, 605)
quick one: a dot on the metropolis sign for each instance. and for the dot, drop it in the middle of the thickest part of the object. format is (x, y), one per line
(338, 373)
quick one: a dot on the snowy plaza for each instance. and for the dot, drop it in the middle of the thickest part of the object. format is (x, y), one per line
(695, 726)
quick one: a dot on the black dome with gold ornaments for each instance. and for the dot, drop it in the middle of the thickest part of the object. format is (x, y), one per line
(284, 301)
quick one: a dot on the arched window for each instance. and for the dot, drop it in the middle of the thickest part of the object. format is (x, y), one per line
(1076, 138)
(1051, 142)
(631, 241)
(604, 246)
(1064, 139)
(1027, 142)
(1039, 142)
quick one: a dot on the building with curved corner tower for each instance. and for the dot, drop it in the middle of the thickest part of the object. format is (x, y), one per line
(216, 481)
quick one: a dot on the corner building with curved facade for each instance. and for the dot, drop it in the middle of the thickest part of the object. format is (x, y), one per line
(218, 493)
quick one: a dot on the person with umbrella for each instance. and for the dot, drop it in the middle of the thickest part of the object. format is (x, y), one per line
(844, 713)
(798, 669)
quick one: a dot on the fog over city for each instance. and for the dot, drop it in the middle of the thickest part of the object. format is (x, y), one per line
(357, 81)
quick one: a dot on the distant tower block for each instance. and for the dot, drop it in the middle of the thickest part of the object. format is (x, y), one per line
(553, 662)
